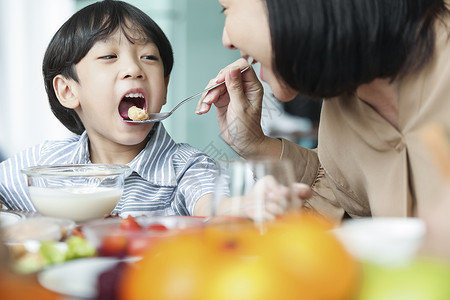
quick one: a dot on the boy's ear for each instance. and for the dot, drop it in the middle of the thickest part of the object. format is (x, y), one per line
(63, 90)
(166, 81)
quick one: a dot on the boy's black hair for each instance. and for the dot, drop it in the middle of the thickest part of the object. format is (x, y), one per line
(77, 36)
(324, 48)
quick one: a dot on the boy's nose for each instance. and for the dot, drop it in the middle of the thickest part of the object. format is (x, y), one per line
(132, 69)
(133, 76)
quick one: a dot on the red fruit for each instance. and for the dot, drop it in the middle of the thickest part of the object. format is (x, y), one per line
(113, 245)
(157, 227)
(130, 224)
(78, 231)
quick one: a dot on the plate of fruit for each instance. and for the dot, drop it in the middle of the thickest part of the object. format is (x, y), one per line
(131, 236)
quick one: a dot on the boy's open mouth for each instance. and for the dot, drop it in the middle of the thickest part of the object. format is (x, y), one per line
(129, 100)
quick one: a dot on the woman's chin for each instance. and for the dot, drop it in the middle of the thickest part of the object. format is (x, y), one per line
(280, 90)
(283, 93)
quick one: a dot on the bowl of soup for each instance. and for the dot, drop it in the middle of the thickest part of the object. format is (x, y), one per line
(77, 192)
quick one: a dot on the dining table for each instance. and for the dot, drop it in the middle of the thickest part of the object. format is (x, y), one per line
(386, 242)
(18, 285)
(75, 279)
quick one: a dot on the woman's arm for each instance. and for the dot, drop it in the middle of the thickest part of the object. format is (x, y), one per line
(308, 170)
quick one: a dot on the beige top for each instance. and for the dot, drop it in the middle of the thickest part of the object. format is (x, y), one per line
(365, 166)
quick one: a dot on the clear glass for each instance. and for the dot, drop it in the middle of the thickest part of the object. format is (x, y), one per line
(76, 192)
(258, 190)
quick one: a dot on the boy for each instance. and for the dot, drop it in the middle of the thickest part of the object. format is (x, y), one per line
(106, 58)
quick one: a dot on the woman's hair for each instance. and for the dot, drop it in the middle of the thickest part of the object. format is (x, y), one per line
(324, 48)
(76, 37)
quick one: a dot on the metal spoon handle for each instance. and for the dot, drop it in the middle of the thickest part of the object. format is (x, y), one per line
(204, 91)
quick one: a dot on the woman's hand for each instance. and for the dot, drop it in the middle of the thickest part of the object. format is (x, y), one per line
(239, 104)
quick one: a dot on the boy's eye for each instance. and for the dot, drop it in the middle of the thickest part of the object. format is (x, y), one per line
(108, 56)
(149, 57)
(223, 10)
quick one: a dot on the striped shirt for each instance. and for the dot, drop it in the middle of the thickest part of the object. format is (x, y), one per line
(166, 178)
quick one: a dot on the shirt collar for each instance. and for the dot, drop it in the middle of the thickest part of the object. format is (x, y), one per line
(154, 163)
(81, 153)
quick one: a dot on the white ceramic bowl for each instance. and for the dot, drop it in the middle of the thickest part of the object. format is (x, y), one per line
(8, 218)
(76, 192)
(386, 241)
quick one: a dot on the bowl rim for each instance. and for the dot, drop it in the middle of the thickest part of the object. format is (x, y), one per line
(67, 170)
(144, 219)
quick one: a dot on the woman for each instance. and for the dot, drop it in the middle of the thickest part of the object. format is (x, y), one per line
(382, 67)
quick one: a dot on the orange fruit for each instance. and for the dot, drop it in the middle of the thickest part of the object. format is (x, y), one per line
(173, 269)
(299, 218)
(238, 240)
(296, 258)
(321, 266)
(247, 278)
(238, 272)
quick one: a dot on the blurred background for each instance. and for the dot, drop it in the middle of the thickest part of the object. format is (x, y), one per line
(194, 27)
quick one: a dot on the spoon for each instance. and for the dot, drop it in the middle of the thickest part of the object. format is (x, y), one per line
(156, 117)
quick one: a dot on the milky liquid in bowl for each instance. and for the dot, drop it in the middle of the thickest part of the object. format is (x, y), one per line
(71, 203)
(79, 192)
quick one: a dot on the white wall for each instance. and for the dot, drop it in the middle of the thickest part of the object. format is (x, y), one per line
(26, 27)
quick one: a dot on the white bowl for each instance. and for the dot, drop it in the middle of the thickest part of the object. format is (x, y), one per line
(385, 241)
(27, 235)
(8, 218)
(76, 192)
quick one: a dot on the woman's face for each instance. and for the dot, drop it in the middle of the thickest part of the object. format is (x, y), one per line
(247, 29)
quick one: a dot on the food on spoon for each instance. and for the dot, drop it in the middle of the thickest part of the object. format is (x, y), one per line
(137, 114)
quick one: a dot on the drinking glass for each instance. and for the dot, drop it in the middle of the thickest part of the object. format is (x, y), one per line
(257, 189)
